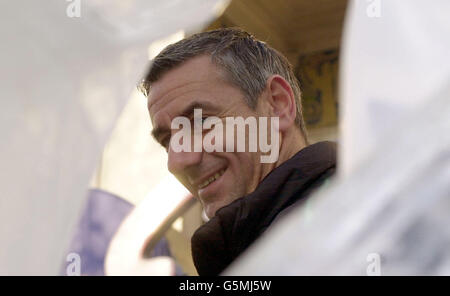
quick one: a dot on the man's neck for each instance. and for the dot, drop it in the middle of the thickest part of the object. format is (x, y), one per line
(290, 144)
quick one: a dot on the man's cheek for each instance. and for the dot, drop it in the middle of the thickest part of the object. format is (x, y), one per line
(184, 180)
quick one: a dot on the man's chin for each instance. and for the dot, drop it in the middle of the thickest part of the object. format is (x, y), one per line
(213, 206)
(211, 209)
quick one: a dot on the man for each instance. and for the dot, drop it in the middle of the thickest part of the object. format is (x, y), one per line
(227, 73)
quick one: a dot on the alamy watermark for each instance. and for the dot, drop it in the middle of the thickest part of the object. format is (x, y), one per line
(374, 266)
(74, 266)
(74, 8)
(373, 9)
(259, 136)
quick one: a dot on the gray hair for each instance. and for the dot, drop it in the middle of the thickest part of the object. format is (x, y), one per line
(246, 62)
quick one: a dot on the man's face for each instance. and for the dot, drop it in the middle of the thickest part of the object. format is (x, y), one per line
(198, 83)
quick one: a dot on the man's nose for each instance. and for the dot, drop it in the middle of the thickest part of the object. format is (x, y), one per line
(179, 162)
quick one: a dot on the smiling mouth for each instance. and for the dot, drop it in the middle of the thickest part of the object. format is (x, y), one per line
(211, 179)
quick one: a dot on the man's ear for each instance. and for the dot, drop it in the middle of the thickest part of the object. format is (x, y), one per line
(281, 99)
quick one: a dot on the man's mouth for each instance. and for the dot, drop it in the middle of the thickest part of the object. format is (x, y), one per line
(211, 179)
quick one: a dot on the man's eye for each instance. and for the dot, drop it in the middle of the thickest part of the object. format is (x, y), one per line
(203, 119)
(197, 124)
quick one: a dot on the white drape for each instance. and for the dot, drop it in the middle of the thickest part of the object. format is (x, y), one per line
(64, 80)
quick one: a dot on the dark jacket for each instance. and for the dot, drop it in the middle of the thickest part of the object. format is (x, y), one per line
(234, 227)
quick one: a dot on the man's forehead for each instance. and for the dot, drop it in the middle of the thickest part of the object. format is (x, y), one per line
(194, 74)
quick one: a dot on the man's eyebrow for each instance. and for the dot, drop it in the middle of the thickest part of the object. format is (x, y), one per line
(205, 106)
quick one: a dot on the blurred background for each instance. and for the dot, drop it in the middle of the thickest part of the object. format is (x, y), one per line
(80, 167)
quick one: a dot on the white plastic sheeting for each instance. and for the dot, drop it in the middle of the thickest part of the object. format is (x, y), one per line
(64, 80)
(387, 211)
(394, 59)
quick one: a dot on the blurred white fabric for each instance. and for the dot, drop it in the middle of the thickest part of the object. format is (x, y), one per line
(394, 58)
(386, 213)
(64, 81)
